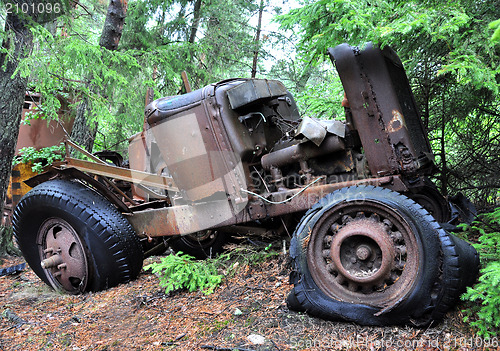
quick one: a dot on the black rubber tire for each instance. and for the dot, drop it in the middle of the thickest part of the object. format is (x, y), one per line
(112, 250)
(460, 269)
(434, 290)
(201, 249)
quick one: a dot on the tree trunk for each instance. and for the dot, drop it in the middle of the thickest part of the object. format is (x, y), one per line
(113, 26)
(196, 21)
(83, 133)
(13, 90)
(257, 40)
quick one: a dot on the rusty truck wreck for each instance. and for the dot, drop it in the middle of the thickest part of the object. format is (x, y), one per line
(236, 156)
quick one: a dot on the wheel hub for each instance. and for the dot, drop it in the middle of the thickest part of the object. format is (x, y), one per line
(63, 256)
(363, 253)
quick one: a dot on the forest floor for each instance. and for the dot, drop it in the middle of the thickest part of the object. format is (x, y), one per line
(247, 312)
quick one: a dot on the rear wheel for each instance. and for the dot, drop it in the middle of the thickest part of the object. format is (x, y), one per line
(372, 256)
(201, 245)
(74, 239)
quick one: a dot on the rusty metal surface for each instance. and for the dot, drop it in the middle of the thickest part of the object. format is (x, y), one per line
(383, 109)
(234, 127)
(195, 146)
(311, 129)
(253, 91)
(63, 256)
(312, 195)
(304, 151)
(199, 216)
(73, 173)
(363, 252)
(17, 187)
(138, 155)
(185, 81)
(41, 133)
(365, 114)
(181, 219)
(125, 174)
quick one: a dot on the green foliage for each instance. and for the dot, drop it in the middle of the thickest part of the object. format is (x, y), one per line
(243, 256)
(452, 65)
(413, 27)
(70, 62)
(223, 46)
(40, 158)
(486, 293)
(179, 270)
(322, 97)
(495, 25)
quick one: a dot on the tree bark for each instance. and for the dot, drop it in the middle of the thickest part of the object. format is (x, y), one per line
(83, 132)
(257, 40)
(196, 21)
(13, 88)
(113, 25)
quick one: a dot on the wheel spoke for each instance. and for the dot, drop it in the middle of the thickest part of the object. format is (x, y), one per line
(388, 224)
(351, 286)
(346, 219)
(340, 279)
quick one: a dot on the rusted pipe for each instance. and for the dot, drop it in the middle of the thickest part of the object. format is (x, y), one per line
(300, 152)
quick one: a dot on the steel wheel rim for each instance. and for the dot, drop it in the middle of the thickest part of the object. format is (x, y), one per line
(62, 256)
(364, 253)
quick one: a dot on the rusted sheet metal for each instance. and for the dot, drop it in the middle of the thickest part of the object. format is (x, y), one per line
(310, 196)
(190, 219)
(195, 145)
(184, 219)
(138, 155)
(68, 143)
(383, 109)
(365, 114)
(311, 129)
(41, 133)
(73, 173)
(120, 173)
(408, 106)
(375, 67)
(17, 187)
(253, 91)
(304, 151)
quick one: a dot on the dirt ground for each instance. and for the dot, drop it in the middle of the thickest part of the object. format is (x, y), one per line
(247, 312)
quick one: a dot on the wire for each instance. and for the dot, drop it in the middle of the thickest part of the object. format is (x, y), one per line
(284, 201)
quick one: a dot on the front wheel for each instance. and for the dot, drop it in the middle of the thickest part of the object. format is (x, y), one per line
(74, 239)
(372, 256)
